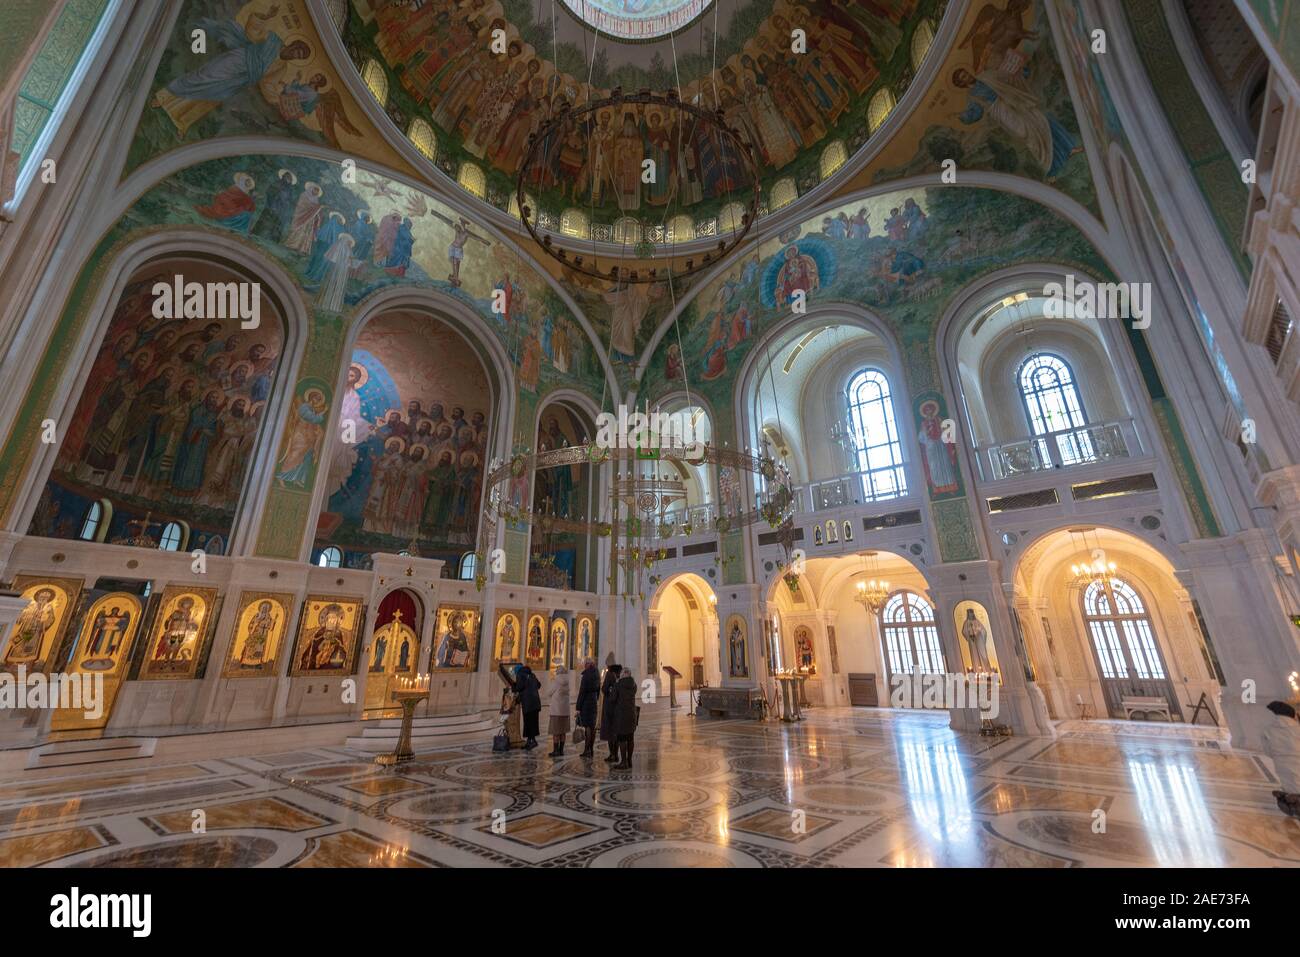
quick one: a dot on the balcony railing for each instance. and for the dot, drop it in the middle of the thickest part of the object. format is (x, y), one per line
(1069, 448)
(825, 495)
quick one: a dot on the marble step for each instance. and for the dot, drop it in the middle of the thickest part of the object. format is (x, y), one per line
(429, 732)
(65, 754)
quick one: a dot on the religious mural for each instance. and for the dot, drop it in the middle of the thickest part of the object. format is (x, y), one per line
(260, 627)
(108, 632)
(901, 254)
(327, 636)
(484, 105)
(416, 408)
(344, 241)
(507, 644)
(737, 649)
(535, 642)
(561, 491)
(169, 417)
(184, 617)
(1002, 104)
(559, 647)
(584, 641)
(39, 630)
(262, 67)
(455, 638)
(805, 658)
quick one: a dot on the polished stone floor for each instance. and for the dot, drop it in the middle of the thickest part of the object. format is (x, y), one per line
(844, 788)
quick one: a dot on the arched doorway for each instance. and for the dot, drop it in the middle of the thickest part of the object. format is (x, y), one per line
(560, 558)
(682, 632)
(848, 647)
(1107, 620)
(393, 651)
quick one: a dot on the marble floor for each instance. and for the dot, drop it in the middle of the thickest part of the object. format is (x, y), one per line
(846, 787)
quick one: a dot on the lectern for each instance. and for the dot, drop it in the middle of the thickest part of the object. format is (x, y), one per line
(673, 675)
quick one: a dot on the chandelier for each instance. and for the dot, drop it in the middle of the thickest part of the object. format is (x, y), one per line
(621, 157)
(1095, 569)
(872, 593)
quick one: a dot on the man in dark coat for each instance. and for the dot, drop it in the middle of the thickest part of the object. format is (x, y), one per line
(588, 698)
(624, 701)
(607, 711)
(530, 703)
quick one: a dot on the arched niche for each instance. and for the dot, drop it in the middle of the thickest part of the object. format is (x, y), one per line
(1062, 639)
(171, 407)
(684, 626)
(413, 433)
(847, 638)
(793, 399)
(558, 557)
(997, 326)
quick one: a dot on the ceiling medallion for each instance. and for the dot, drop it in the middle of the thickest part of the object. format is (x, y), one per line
(635, 20)
(622, 167)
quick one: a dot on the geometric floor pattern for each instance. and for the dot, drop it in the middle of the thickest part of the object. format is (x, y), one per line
(845, 787)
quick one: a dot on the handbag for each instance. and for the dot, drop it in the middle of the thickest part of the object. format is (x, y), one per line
(579, 735)
(501, 741)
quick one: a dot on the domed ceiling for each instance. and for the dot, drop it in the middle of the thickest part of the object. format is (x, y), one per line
(472, 110)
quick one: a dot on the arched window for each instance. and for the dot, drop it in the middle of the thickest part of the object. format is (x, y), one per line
(338, 10)
(783, 193)
(627, 230)
(1128, 657)
(1052, 405)
(681, 229)
(911, 635)
(376, 81)
(876, 445)
(52, 79)
(172, 537)
(878, 110)
(472, 180)
(421, 134)
(330, 557)
(833, 157)
(731, 218)
(573, 222)
(94, 521)
(516, 212)
(468, 566)
(922, 37)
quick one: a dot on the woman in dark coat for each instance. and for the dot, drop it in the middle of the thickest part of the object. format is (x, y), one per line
(624, 700)
(588, 698)
(530, 703)
(607, 712)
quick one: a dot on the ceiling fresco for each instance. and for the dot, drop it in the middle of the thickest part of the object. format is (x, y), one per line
(263, 71)
(482, 105)
(900, 254)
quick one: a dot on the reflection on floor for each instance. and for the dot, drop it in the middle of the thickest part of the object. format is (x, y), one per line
(844, 788)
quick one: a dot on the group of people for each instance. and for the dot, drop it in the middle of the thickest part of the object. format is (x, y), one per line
(174, 405)
(606, 705)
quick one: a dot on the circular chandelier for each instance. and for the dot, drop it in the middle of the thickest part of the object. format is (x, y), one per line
(662, 157)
